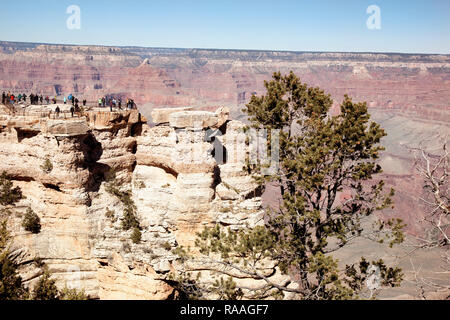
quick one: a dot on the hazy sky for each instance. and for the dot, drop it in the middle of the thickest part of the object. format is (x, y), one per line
(421, 26)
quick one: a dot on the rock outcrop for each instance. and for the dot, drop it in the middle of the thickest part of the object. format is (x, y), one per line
(408, 92)
(177, 181)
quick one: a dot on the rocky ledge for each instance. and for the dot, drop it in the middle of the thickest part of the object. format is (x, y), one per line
(183, 173)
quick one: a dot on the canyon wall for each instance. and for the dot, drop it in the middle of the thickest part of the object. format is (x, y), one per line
(408, 94)
(413, 84)
(175, 185)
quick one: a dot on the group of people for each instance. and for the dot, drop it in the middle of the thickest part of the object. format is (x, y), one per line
(73, 109)
(10, 98)
(74, 100)
(112, 102)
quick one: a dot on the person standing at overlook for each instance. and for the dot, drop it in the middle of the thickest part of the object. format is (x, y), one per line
(3, 97)
(77, 109)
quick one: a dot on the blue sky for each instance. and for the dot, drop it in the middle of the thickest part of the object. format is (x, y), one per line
(322, 25)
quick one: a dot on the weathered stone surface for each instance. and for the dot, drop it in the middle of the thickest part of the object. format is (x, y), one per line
(105, 120)
(160, 116)
(223, 114)
(170, 173)
(243, 185)
(193, 119)
(225, 193)
(66, 128)
(128, 286)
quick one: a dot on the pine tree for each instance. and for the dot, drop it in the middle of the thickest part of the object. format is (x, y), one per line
(46, 288)
(31, 222)
(136, 235)
(322, 157)
(11, 286)
(8, 194)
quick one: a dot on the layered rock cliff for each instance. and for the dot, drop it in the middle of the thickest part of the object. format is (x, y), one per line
(177, 182)
(412, 84)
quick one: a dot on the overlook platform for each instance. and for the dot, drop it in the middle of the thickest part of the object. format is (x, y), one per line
(43, 118)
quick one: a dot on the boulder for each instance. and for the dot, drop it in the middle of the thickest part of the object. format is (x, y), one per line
(226, 194)
(193, 119)
(160, 116)
(223, 114)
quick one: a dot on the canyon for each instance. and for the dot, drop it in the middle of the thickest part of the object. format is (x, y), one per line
(175, 185)
(412, 84)
(182, 94)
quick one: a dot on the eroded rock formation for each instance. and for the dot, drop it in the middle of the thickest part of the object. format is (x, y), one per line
(407, 93)
(177, 180)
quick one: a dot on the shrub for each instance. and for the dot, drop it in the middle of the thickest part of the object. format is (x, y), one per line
(47, 166)
(39, 262)
(111, 215)
(45, 289)
(139, 184)
(129, 213)
(129, 219)
(72, 294)
(166, 245)
(8, 194)
(31, 222)
(225, 209)
(11, 285)
(136, 236)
